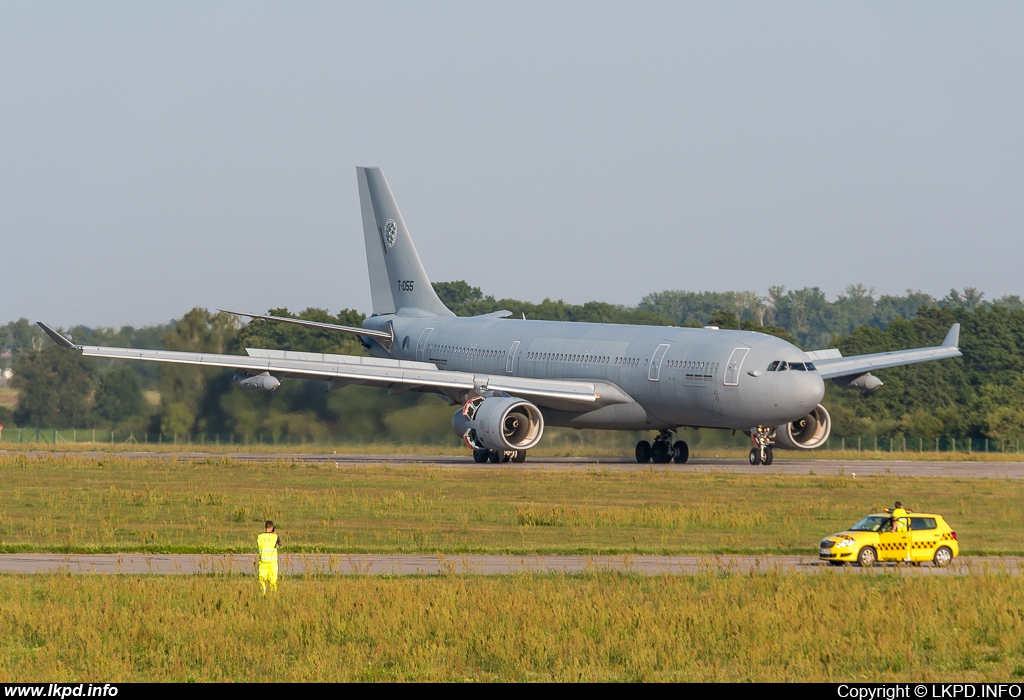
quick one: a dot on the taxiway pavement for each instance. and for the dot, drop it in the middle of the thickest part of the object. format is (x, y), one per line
(440, 564)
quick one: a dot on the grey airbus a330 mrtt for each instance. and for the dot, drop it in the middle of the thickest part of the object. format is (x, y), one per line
(510, 377)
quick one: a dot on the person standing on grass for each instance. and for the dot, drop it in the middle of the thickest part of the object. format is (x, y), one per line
(268, 542)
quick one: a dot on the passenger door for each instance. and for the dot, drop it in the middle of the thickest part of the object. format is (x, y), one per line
(733, 367)
(654, 371)
(510, 360)
(421, 344)
(926, 538)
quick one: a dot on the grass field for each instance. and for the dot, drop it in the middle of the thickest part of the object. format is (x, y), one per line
(711, 627)
(115, 504)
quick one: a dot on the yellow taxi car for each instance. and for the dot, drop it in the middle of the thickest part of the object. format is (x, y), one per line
(872, 540)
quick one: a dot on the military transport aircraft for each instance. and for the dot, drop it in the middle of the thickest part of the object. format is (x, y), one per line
(510, 377)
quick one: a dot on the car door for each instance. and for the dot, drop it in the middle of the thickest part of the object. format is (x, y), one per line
(894, 546)
(926, 538)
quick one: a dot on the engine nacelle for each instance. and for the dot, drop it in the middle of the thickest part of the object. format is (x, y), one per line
(499, 423)
(257, 382)
(807, 432)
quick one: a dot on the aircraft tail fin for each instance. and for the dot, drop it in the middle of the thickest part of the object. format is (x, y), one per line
(398, 282)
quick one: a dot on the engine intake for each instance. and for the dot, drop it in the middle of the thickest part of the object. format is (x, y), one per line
(499, 423)
(807, 432)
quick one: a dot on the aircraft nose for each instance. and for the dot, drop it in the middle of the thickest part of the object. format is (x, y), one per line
(810, 389)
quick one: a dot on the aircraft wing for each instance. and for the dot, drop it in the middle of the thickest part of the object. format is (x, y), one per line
(832, 364)
(396, 375)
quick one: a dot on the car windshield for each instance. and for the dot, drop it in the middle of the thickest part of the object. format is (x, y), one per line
(872, 523)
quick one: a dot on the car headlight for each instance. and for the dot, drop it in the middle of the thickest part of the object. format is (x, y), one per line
(845, 542)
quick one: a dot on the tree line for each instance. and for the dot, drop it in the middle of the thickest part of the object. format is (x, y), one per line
(979, 395)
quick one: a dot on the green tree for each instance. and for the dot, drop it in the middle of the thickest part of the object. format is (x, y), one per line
(119, 395)
(54, 387)
(21, 336)
(184, 386)
(455, 294)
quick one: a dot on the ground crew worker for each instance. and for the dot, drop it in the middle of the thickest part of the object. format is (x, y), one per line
(268, 542)
(900, 521)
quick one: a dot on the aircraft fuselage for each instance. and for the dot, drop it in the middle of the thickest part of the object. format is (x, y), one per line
(677, 376)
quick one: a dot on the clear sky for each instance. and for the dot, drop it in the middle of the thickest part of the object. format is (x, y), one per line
(156, 156)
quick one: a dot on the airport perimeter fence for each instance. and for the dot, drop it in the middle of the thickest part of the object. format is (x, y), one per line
(869, 444)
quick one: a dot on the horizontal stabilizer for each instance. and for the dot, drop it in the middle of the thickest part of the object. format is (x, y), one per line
(316, 324)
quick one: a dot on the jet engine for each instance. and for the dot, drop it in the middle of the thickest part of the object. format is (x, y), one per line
(807, 432)
(259, 382)
(499, 423)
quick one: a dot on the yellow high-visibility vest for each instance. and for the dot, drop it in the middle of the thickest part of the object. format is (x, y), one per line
(900, 520)
(268, 547)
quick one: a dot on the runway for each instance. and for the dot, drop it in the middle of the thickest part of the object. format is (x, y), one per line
(874, 466)
(442, 564)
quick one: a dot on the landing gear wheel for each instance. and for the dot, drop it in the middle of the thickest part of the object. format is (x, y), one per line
(867, 557)
(519, 457)
(768, 456)
(480, 456)
(493, 456)
(755, 456)
(643, 452)
(682, 452)
(661, 452)
(943, 556)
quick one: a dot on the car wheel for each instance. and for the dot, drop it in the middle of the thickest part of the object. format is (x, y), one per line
(943, 556)
(867, 557)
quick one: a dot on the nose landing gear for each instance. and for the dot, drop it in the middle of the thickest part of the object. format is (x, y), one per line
(762, 450)
(663, 450)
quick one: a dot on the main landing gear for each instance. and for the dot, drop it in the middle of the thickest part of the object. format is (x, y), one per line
(663, 450)
(761, 453)
(496, 457)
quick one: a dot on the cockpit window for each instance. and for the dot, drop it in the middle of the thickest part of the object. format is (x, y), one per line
(811, 367)
(773, 366)
(783, 366)
(798, 366)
